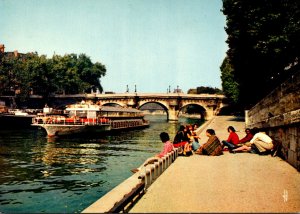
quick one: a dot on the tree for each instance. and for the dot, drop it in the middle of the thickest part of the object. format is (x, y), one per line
(89, 73)
(70, 74)
(7, 75)
(263, 40)
(208, 90)
(229, 85)
(37, 75)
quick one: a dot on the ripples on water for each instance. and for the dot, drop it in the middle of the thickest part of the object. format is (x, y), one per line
(65, 175)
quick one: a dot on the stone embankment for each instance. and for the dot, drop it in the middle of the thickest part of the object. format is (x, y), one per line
(279, 115)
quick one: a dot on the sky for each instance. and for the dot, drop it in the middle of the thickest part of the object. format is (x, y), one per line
(153, 44)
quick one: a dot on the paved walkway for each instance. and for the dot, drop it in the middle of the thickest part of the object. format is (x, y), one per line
(228, 183)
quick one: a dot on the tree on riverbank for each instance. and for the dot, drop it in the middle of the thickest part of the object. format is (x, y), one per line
(33, 74)
(264, 47)
(204, 90)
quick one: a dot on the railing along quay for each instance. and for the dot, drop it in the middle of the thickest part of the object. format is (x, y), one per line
(123, 196)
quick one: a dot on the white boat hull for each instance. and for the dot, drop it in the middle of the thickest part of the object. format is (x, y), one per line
(59, 130)
(64, 129)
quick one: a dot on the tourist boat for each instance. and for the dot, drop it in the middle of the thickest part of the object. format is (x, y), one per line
(16, 118)
(89, 118)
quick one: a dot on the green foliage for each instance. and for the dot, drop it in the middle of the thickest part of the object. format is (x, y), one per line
(31, 73)
(229, 85)
(208, 90)
(205, 90)
(263, 40)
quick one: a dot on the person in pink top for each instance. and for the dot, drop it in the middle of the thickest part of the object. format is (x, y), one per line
(233, 139)
(168, 147)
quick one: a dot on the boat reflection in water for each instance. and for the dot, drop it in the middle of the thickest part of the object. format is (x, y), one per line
(80, 155)
(90, 118)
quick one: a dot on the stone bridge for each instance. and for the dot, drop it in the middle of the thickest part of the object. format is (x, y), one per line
(172, 103)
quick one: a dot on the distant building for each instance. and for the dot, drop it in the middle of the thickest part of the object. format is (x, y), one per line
(11, 55)
(177, 90)
(15, 53)
(2, 48)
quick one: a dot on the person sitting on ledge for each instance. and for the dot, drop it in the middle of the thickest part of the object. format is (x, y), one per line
(212, 147)
(261, 143)
(168, 147)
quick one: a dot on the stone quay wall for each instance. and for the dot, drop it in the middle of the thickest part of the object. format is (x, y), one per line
(279, 114)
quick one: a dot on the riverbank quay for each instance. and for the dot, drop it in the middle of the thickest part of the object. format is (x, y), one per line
(122, 197)
(240, 182)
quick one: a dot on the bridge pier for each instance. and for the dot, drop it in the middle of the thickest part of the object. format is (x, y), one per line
(209, 113)
(173, 115)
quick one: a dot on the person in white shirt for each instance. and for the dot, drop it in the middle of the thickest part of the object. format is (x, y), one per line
(261, 141)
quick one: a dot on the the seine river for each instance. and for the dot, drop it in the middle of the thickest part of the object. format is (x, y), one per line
(65, 175)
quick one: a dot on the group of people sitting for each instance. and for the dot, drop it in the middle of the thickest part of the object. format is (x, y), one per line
(186, 139)
(255, 141)
(187, 142)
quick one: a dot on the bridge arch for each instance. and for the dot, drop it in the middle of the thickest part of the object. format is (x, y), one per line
(165, 108)
(201, 109)
(113, 103)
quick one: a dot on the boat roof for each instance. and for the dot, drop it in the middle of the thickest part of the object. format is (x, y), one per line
(80, 107)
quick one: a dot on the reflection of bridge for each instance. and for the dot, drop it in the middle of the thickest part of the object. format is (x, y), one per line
(172, 103)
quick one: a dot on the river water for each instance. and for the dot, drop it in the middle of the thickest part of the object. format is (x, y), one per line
(65, 175)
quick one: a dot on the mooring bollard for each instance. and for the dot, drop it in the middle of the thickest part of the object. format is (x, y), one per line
(152, 170)
(164, 162)
(147, 178)
(170, 158)
(173, 156)
(161, 168)
(156, 169)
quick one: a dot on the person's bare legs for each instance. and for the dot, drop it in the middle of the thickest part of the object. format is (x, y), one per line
(243, 148)
(148, 161)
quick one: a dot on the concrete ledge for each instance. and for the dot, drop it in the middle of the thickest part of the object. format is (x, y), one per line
(125, 193)
(109, 200)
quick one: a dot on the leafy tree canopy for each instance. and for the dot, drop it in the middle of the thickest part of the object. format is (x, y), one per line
(31, 73)
(205, 90)
(229, 85)
(264, 45)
